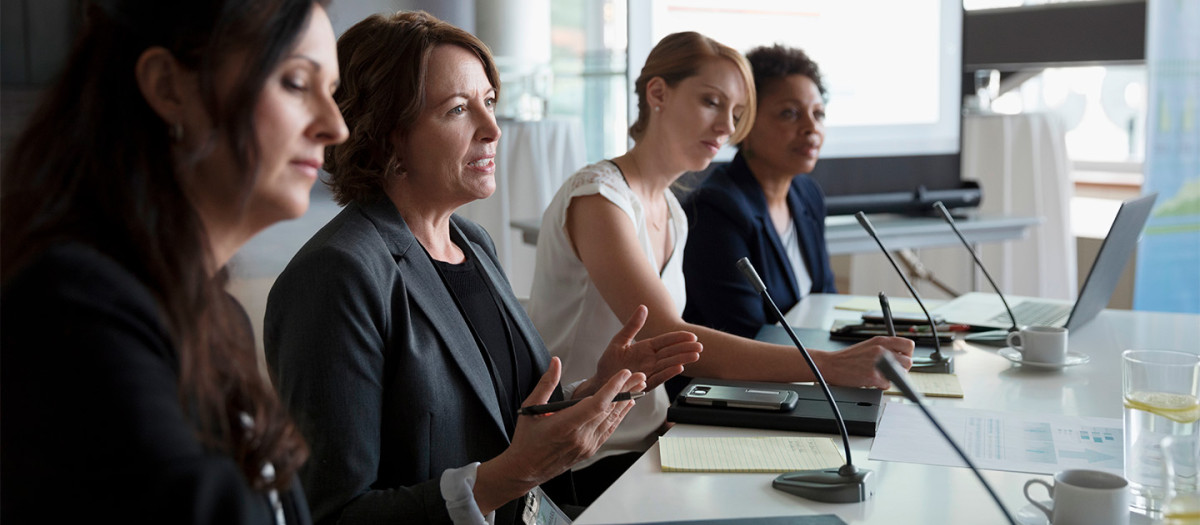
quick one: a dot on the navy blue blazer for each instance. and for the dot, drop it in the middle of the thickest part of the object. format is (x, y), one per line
(728, 220)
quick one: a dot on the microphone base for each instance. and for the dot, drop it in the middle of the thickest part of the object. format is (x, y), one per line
(828, 485)
(929, 365)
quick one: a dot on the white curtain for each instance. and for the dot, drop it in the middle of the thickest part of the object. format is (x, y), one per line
(1021, 164)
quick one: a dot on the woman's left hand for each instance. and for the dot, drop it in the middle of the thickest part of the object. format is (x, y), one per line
(659, 358)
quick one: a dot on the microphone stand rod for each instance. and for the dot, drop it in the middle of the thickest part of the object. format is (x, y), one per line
(747, 269)
(941, 208)
(937, 345)
(886, 364)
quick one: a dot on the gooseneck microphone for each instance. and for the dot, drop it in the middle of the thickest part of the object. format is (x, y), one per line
(950, 220)
(846, 484)
(936, 363)
(887, 366)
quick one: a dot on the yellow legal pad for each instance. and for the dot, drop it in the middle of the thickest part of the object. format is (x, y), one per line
(932, 385)
(866, 304)
(748, 454)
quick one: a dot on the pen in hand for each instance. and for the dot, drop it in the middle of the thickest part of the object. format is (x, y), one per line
(887, 314)
(561, 405)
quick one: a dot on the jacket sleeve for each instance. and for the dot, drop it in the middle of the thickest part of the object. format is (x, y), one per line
(325, 336)
(718, 296)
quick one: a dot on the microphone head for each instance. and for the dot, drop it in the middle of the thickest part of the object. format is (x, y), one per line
(866, 224)
(747, 270)
(887, 365)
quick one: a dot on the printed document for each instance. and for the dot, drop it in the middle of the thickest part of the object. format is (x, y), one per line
(1038, 444)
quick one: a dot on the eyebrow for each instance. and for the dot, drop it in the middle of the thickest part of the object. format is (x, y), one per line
(723, 94)
(337, 82)
(465, 95)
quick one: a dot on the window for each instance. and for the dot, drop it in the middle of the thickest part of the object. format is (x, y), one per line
(588, 60)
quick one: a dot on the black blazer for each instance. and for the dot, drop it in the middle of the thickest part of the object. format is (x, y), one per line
(728, 220)
(373, 358)
(92, 428)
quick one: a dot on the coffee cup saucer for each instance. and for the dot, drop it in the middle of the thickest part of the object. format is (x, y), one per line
(1030, 515)
(1073, 358)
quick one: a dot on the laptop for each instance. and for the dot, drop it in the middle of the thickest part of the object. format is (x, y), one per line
(986, 310)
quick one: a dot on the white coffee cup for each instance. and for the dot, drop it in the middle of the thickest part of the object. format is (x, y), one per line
(1040, 344)
(1085, 497)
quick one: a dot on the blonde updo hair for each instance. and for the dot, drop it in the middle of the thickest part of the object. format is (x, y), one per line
(679, 56)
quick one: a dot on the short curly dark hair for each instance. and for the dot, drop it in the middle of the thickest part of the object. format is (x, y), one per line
(384, 60)
(773, 63)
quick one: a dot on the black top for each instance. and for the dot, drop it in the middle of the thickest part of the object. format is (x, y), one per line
(507, 356)
(92, 422)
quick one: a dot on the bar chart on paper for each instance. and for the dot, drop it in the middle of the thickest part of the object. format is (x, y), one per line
(1000, 441)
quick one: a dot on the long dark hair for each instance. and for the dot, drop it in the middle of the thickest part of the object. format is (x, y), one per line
(94, 165)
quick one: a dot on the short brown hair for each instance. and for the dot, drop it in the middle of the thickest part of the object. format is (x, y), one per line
(679, 56)
(384, 60)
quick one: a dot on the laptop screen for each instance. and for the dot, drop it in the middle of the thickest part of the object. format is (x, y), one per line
(1114, 254)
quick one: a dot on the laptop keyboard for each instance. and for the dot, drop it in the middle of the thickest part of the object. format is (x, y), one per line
(1031, 313)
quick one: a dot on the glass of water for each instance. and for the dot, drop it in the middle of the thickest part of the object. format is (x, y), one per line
(1181, 458)
(1162, 399)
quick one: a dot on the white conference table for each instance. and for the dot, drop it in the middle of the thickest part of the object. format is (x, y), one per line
(908, 493)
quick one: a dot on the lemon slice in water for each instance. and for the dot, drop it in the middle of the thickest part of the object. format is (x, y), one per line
(1180, 408)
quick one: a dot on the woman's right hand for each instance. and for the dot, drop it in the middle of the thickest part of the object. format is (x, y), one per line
(544, 446)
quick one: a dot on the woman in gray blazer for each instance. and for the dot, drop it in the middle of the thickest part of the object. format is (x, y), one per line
(393, 335)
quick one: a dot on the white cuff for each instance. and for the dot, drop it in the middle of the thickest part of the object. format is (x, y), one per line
(458, 489)
(569, 389)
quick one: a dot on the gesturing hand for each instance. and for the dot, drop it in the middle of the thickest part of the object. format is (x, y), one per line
(659, 358)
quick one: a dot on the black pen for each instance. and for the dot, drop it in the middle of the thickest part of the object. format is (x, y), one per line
(560, 405)
(887, 314)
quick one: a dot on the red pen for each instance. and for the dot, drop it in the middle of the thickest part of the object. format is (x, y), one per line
(947, 328)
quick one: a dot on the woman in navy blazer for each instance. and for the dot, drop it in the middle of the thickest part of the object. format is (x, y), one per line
(761, 206)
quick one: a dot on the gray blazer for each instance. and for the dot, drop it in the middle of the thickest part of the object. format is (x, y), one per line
(376, 364)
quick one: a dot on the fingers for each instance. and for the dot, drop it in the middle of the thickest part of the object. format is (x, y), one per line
(899, 345)
(672, 338)
(635, 383)
(545, 386)
(634, 325)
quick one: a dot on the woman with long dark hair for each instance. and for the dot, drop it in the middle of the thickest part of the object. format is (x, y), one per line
(130, 387)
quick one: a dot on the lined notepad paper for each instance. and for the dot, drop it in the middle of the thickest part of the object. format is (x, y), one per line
(867, 304)
(932, 385)
(747, 454)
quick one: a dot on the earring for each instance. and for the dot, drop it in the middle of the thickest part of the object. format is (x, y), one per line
(176, 132)
(657, 108)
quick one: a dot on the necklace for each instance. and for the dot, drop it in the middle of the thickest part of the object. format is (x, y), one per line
(661, 217)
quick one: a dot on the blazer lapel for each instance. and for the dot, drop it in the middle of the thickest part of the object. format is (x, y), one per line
(514, 308)
(425, 287)
(537, 348)
(807, 229)
(758, 201)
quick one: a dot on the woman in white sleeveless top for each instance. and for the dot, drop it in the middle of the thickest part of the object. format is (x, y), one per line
(612, 240)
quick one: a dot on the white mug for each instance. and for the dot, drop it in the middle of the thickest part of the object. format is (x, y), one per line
(1085, 497)
(1040, 344)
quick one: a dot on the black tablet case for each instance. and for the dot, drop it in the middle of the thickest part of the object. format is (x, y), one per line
(860, 408)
